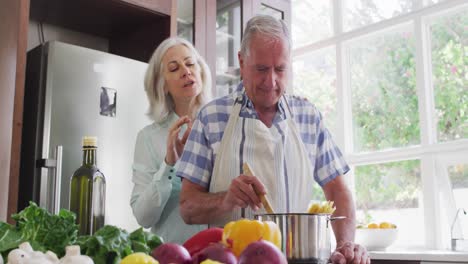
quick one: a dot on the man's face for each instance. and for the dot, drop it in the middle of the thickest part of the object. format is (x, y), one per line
(265, 70)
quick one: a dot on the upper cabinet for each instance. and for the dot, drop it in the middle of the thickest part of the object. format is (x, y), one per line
(134, 28)
(218, 30)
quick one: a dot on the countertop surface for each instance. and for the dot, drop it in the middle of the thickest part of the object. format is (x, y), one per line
(423, 255)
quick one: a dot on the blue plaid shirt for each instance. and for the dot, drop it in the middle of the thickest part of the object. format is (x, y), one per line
(202, 146)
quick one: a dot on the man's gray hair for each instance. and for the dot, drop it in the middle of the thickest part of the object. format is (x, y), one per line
(162, 103)
(265, 25)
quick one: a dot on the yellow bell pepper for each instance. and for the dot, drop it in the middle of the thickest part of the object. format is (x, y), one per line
(237, 235)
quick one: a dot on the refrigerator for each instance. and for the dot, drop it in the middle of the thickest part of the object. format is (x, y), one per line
(71, 92)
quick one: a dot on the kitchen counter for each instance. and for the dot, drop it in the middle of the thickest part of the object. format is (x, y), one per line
(445, 256)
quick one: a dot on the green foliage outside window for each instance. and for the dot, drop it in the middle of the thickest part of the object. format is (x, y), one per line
(384, 98)
(385, 106)
(450, 71)
(389, 185)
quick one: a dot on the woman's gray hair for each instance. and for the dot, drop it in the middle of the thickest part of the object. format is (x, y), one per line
(264, 25)
(161, 103)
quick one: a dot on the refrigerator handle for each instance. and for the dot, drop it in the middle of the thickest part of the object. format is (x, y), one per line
(52, 200)
(58, 178)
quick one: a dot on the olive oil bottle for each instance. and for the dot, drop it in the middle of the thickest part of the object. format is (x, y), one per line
(88, 191)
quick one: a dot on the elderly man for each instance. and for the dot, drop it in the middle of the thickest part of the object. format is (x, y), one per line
(281, 137)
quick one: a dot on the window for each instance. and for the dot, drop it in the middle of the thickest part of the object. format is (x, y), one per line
(391, 80)
(267, 10)
(317, 21)
(315, 77)
(389, 192)
(185, 19)
(228, 39)
(449, 51)
(458, 175)
(382, 83)
(358, 13)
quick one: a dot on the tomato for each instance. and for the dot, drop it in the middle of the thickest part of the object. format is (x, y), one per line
(139, 258)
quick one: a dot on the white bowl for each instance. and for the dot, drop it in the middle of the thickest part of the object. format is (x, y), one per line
(376, 239)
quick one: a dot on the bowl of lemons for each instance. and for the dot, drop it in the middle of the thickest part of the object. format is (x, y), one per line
(376, 236)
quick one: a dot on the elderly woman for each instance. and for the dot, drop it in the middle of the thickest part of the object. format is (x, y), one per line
(177, 83)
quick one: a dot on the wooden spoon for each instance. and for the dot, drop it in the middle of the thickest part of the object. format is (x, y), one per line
(266, 204)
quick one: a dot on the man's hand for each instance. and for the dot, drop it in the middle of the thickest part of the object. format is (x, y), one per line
(349, 252)
(175, 145)
(241, 193)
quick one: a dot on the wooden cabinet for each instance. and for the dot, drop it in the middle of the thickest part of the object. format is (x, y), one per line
(133, 28)
(218, 32)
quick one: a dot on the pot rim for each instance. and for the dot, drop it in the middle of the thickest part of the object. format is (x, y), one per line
(280, 214)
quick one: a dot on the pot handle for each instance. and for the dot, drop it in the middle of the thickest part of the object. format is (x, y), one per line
(333, 218)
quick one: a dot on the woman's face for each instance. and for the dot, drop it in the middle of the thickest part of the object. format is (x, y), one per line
(181, 73)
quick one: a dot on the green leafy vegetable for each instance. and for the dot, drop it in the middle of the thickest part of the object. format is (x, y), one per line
(108, 245)
(143, 241)
(43, 230)
(111, 244)
(10, 238)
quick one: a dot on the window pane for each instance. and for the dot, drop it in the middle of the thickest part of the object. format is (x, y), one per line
(383, 86)
(185, 19)
(392, 192)
(228, 39)
(266, 10)
(314, 79)
(458, 175)
(358, 13)
(449, 38)
(311, 21)
(431, 2)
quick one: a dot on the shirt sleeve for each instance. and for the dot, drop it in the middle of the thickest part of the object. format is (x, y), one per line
(196, 162)
(152, 182)
(329, 161)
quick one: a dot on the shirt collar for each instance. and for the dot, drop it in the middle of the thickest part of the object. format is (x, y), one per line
(247, 104)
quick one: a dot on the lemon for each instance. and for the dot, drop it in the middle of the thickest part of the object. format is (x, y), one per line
(385, 225)
(372, 226)
(139, 258)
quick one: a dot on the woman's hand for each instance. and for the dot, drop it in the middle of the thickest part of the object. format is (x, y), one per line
(175, 145)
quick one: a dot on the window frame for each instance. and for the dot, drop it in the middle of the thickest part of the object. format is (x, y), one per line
(432, 154)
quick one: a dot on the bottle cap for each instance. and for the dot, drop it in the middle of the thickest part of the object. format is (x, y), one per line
(89, 141)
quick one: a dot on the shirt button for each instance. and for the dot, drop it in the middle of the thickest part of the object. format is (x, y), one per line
(171, 170)
(170, 177)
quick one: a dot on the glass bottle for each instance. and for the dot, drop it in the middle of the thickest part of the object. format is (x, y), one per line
(88, 191)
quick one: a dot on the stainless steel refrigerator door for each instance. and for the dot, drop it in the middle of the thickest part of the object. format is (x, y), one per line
(76, 79)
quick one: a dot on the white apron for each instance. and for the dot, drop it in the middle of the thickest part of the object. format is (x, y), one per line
(277, 156)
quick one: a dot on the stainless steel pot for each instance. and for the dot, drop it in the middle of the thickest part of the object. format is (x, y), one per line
(305, 237)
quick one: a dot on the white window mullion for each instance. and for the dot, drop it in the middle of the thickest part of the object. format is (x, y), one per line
(337, 25)
(424, 82)
(337, 17)
(432, 215)
(427, 130)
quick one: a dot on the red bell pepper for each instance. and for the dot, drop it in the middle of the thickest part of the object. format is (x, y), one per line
(203, 239)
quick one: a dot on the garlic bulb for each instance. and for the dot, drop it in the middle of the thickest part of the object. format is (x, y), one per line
(25, 254)
(73, 256)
